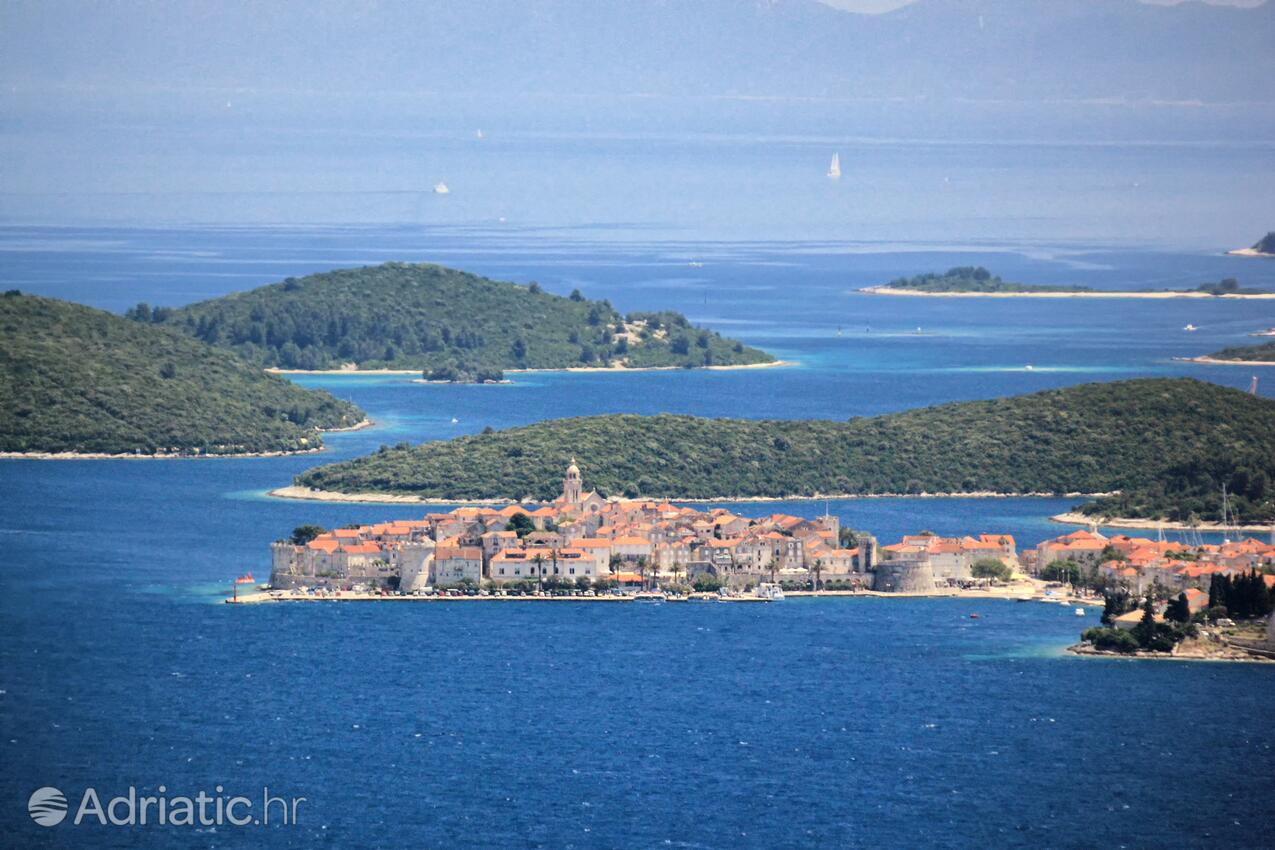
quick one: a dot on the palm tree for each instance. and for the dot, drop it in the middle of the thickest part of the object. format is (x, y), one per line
(540, 572)
(818, 573)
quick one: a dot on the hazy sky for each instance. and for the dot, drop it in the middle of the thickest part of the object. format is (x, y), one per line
(872, 6)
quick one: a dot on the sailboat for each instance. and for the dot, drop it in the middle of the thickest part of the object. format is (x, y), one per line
(441, 189)
(834, 168)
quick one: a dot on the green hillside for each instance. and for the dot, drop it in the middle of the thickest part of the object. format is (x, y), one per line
(1129, 435)
(1266, 245)
(1260, 353)
(76, 379)
(449, 324)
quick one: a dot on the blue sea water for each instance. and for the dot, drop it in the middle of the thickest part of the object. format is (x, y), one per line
(855, 723)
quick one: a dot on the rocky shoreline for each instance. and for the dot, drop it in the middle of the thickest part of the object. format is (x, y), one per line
(1073, 518)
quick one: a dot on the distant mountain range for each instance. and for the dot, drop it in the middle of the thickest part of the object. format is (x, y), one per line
(1012, 50)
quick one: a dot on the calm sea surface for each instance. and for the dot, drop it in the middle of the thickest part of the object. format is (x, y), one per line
(812, 723)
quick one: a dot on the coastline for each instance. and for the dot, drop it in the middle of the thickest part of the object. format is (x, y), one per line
(158, 456)
(770, 364)
(358, 426)
(1073, 518)
(1085, 650)
(293, 491)
(1009, 593)
(1214, 361)
(886, 290)
(1248, 252)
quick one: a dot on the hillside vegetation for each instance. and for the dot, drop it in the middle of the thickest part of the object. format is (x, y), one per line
(972, 279)
(1132, 436)
(75, 379)
(1261, 353)
(979, 279)
(449, 324)
(1266, 245)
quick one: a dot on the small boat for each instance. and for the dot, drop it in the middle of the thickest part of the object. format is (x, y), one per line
(976, 616)
(769, 592)
(649, 596)
(1190, 327)
(478, 134)
(834, 168)
(1029, 367)
(695, 264)
(440, 188)
(1080, 612)
(455, 420)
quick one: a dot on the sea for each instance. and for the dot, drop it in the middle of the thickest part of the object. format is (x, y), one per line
(896, 723)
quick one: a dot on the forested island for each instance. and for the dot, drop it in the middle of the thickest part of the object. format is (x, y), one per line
(449, 325)
(78, 380)
(1242, 354)
(1141, 437)
(976, 281)
(1264, 247)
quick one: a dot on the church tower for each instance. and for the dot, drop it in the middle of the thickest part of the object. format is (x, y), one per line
(571, 485)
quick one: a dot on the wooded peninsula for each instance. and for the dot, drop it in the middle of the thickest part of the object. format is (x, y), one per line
(450, 325)
(1167, 446)
(978, 281)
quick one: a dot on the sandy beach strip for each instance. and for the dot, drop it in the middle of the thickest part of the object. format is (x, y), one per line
(366, 423)
(1213, 361)
(1248, 252)
(296, 492)
(1073, 518)
(886, 290)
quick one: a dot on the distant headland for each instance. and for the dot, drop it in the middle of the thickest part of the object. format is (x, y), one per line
(1264, 247)
(978, 282)
(442, 324)
(1262, 354)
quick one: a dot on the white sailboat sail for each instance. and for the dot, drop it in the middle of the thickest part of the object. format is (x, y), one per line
(834, 169)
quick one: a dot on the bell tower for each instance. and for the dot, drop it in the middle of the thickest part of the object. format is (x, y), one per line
(571, 485)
